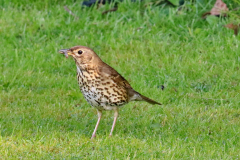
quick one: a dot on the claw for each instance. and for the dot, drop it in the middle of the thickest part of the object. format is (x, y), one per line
(93, 136)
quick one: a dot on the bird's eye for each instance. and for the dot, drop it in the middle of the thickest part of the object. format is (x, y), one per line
(80, 52)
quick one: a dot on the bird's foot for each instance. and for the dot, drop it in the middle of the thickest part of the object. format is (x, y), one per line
(93, 136)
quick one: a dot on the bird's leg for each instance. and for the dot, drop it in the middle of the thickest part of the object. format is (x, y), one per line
(99, 118)
(114, 121)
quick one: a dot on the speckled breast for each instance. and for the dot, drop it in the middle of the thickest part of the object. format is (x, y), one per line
(101, 93)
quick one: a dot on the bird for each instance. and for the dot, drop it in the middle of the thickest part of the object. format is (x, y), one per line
(101, 85)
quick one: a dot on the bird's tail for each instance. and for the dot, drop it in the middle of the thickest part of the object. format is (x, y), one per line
(149, 100)
(135, 96)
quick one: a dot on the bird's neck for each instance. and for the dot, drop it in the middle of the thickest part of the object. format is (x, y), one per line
(84, 67)
(85, 70)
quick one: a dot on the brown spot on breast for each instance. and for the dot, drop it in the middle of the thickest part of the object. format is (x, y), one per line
(120, 94)
(97, 102)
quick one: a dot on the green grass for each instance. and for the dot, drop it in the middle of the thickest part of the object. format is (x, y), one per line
(43, 115)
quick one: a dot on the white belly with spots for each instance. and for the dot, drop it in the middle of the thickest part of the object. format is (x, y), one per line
(98, 92)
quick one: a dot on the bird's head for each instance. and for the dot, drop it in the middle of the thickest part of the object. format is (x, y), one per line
(81, 54)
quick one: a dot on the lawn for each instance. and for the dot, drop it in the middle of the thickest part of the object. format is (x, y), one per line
(43, 114)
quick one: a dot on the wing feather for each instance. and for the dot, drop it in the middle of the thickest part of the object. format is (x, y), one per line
(111, 73)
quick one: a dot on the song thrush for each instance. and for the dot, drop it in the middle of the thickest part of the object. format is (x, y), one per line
(102, 86)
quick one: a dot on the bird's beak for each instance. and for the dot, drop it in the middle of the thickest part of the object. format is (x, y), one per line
(66, 52)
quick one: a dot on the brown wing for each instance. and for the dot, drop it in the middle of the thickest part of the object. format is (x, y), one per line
(111, 73)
